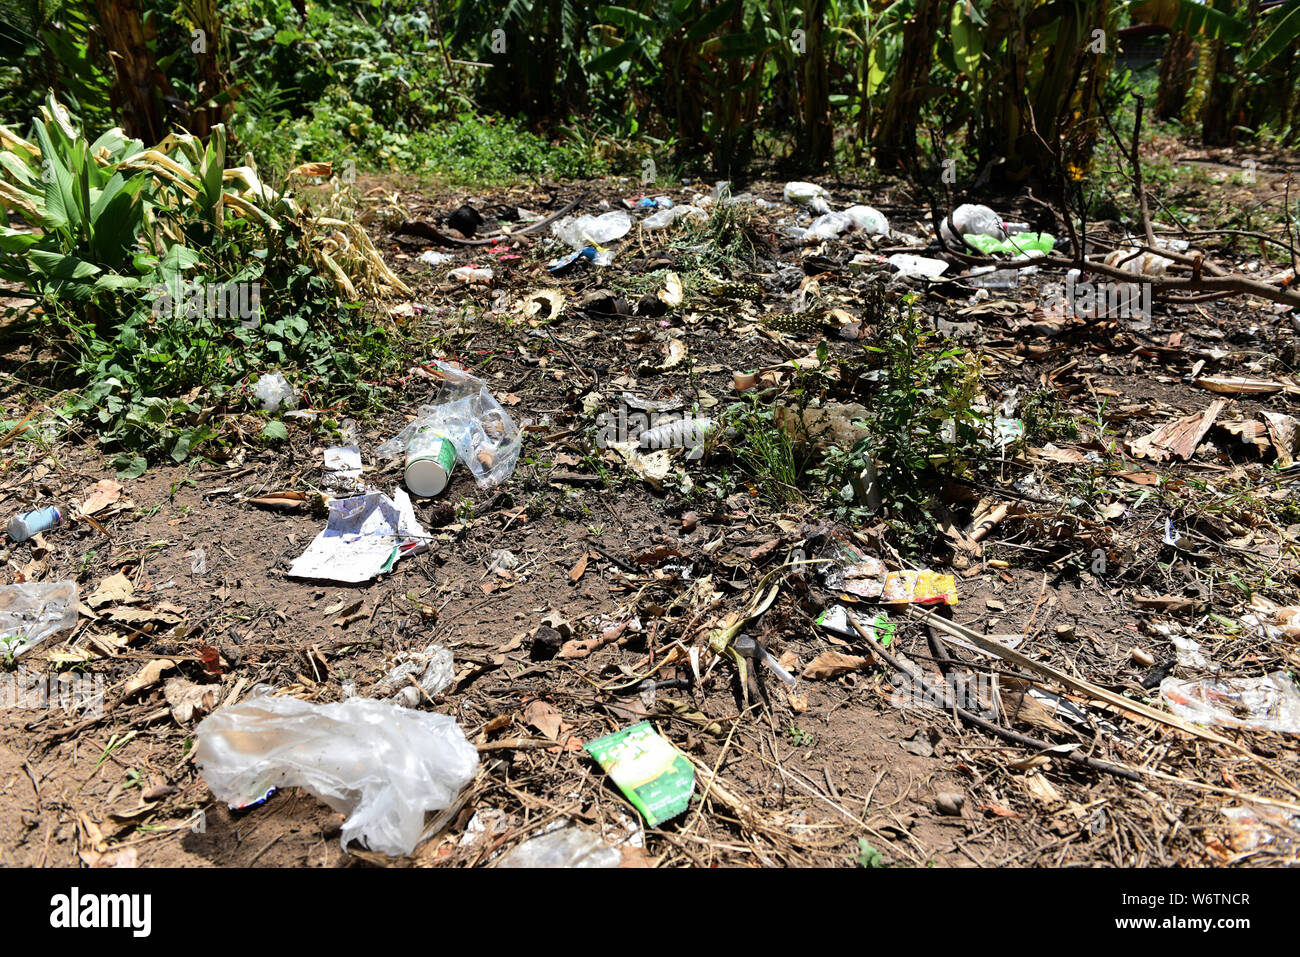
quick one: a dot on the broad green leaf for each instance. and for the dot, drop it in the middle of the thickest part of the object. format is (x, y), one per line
(967, 39)
(614, 58)
(627, 18)
(12, 241)
(712, 20)
(130, 466)
(61, 266)
(1281, 36)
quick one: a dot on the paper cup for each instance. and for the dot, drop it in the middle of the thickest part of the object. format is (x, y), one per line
(430, 457)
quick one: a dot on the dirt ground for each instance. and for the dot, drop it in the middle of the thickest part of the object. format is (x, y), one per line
(806, 776)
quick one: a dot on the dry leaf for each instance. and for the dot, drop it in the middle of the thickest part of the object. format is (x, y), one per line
(1238, 385)
(1042, 791)
(1284, 433)
(138, 617)
(284, 501)
(832, 664)
(114, 589)
(123, 857)
(653, 467)
(677, 351)
(1050, 453)
(671, 294)
(147, 677)
(544, 304)
(1178, 439)
(188, 700)
(100, 496)
(547, 720)
(578, 570)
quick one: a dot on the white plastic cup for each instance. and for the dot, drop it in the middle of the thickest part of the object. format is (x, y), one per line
(24, 525)
(430, 457)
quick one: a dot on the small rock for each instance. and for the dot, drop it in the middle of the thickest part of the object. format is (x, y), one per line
(1065, 632)
(950, 802)
(689, 521)
(546, 644)
(559, 623)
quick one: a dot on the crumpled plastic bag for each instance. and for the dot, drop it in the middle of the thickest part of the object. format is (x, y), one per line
(486, 438)
(32, 612)
(382, 765)
(433, 670)
(806, 194)
(1261, 704)
(274, 392)
(666, 217)
(592, 230)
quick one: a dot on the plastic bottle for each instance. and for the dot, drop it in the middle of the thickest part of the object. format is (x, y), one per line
(430, 457)
(26, 524)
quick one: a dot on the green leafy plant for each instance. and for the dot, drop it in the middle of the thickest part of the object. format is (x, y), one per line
(129, 246)
(868, 856)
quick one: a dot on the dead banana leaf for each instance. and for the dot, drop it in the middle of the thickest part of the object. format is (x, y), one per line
(1178, 439)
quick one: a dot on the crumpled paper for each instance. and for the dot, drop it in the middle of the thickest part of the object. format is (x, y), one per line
(364, 537)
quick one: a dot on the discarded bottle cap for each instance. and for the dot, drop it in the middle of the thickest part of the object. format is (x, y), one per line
(430, 457)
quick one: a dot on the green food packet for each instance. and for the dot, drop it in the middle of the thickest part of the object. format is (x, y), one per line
(1019, 243)
(657, 778)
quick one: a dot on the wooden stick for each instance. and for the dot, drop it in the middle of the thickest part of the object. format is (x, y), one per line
(1075, 684)
(1023, 740)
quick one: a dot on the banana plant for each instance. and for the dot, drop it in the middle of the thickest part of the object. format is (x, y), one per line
(1244, 75)
(88, 211)
(113, 216)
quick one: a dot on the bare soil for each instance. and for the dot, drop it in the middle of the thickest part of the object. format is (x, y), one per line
(823, 768)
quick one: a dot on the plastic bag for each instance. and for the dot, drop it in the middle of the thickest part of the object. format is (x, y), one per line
(869, 220)
(433, 670)
(830, 226)
(564, 847)
(32, 612)
(1262, 704)
(806, 194)
(486, 438)
(382, 765)
(592, 230)
(970, 218)
(274, 392)
(666, 217)
(917, 267)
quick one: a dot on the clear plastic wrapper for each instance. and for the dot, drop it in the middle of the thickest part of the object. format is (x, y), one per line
(382, 765)
(32, 612)
(576, 232)
(1271, 703)
(433, 670)
(563, 847)
(486, 438)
